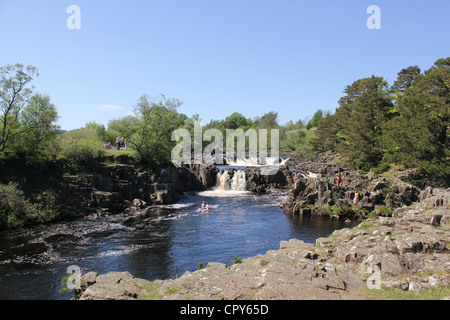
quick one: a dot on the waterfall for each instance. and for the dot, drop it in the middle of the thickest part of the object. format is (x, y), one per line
(235, 182)
(222, 180)
(256, 162)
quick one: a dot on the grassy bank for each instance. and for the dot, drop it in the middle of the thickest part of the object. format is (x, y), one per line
(435, 293)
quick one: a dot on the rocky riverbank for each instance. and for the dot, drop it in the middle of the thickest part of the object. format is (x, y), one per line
(404, 244)
(318, 192)
(408, 252)
(125, 188)
(39, 193)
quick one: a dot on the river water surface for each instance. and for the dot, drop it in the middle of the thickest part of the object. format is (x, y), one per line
(240, 223)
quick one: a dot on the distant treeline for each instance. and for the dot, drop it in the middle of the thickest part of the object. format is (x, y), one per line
(28, 128)
(375, 125)
(406, 124)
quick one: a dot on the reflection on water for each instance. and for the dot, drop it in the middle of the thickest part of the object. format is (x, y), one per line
(240, 223)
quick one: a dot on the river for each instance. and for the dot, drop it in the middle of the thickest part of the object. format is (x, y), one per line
(240, 223)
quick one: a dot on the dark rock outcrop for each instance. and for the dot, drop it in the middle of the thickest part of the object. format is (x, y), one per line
(317, 191)
(259, 182)
(117, 188)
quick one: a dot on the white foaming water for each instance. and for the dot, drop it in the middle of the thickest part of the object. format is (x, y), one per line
(179, 205)
(256, 162)
(218, 193)
(235, 182)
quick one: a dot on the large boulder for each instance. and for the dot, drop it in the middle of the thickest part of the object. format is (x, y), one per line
(259, 181)
(111, 286)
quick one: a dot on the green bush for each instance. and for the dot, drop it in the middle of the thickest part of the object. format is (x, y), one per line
(200, 266)
(381, 168)
(81, 148)
(384, 211)
(17, 211)
(299, 142)
(15, 208)
(64, 280)
(341, 209)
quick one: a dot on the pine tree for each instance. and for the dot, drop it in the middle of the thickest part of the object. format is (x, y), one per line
(362, 113)
(420, 134)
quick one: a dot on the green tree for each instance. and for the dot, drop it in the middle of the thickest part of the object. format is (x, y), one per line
(15, 91)
(38, 125)
(267, 121)
(292, 140)
(189, 124)
(149, 131)
(81, 148)
(237, 121)
(328, 134)
(99, 130)
(370, 110)
(314, 122)
(370, 130)
(419, 136)
(359, 122)
(405, 79)
(291, 126)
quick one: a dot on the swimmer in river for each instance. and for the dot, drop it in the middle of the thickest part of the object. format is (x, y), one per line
(203, 205)
(208, 207)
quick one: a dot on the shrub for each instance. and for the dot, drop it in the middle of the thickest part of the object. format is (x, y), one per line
(200, 266)
(17, 211)
(384, 211)
(15, 208)
(381, 168)
(81, 148)
(341, 209)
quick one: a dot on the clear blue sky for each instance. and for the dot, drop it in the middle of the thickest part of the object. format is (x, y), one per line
(217, 56)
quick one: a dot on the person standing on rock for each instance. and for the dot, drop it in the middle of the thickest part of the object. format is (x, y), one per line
(355, 200)
(163, 175)
(339, 179)
(296, 179)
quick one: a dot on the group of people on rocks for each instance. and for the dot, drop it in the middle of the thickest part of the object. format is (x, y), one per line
(120, 144)
(339, 181)
(297, 178)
